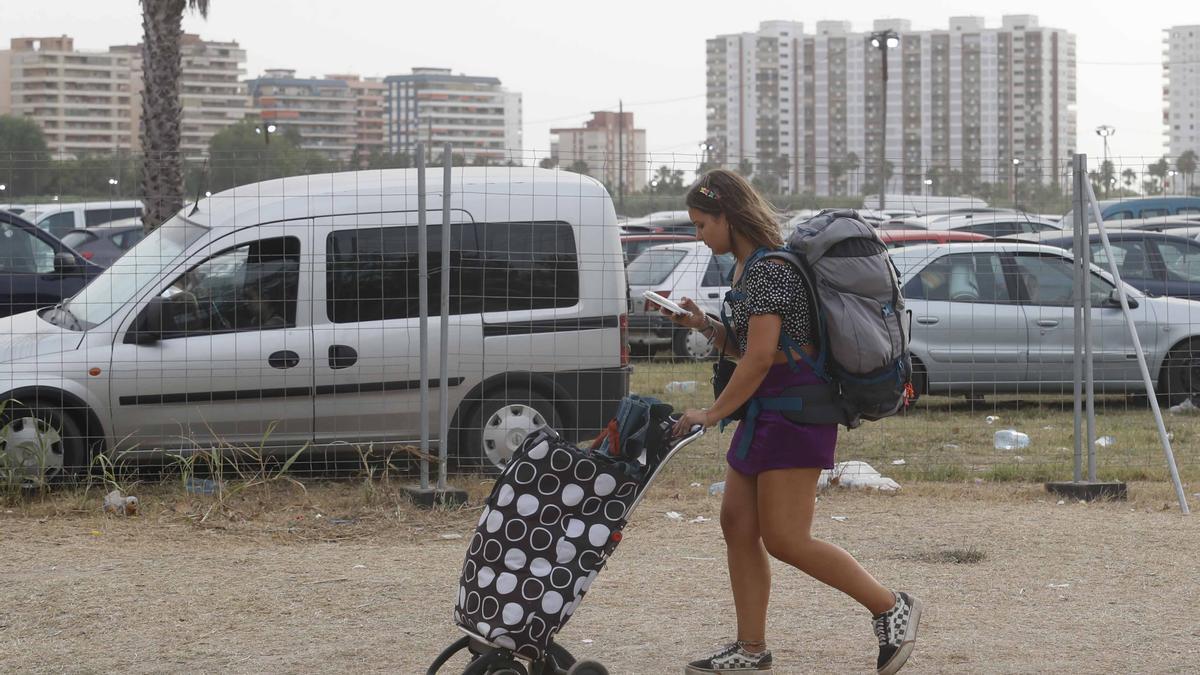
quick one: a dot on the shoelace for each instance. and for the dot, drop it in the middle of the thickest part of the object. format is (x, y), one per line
(881, 629)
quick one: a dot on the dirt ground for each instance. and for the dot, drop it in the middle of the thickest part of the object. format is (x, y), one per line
(340, 578)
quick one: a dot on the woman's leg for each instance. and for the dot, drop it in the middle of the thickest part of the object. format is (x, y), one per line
(786, 499)
(749, 567)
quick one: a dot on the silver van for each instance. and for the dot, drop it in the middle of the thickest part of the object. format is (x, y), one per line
(293, 304)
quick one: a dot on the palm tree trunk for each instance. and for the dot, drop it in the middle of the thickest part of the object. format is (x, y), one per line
(162, 175)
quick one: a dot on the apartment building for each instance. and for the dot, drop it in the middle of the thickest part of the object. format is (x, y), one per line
(606, 143)
(82, 100)
(1181, 90)
(369, 94)
(322, 112)
(962, 103)
(476, 115)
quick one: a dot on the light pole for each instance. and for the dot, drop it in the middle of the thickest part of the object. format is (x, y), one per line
(883, 40)
(1104, 131)
(112, 187)
(1016, 180)
(1171, 179)
(266, 130)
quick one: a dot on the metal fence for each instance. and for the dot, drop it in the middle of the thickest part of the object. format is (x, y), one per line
(276, 322)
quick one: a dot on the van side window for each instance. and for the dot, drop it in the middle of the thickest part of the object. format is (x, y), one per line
(530, 265)
(59, 223)
(718, 270)
(100, 216)
(372, 274)
(1152, 213)
(246, 288)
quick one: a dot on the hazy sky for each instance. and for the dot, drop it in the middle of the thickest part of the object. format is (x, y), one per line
(568, 58)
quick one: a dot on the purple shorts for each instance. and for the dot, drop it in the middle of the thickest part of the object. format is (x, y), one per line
(778, 443)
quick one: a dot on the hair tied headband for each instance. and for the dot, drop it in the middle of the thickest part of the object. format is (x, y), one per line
(711, 194)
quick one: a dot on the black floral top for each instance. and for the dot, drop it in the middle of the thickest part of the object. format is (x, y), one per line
(771, 287)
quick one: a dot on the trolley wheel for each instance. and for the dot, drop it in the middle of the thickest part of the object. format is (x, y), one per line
(587, 668)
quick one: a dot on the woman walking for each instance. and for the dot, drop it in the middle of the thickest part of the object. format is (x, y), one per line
(771, 481)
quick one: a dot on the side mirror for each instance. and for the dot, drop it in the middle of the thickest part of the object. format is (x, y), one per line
(147, 327)
(66, 264)
(1114, 300)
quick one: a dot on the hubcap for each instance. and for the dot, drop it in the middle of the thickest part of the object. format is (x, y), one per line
(696, 345)
(32, 446)
(505, 430)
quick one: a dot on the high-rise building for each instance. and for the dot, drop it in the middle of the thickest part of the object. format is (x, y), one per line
(604, 144)
(368, 94)
(1181, 90)
(476, 115)
(803, 110)
(82, 100)
(322, 112)
(211, 92)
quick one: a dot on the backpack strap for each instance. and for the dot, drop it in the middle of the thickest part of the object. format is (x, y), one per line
(802, 404)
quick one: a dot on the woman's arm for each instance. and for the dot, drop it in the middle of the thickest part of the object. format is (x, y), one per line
(762, 341)
(711, 328)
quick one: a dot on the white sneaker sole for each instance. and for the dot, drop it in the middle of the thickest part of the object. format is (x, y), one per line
(898, 659)
(688, 670)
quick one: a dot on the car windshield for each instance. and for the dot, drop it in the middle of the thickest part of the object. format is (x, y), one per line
(118, 284)
(654, 266)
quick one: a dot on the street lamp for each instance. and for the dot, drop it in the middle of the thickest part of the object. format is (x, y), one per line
(1104, 131)
(1170, 179)
(883, 40)
(266, 130)
(1016, 180)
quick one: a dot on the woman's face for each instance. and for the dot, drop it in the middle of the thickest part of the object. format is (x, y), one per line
(713, 230)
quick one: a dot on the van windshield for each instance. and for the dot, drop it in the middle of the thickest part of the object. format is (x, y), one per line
(120, 283)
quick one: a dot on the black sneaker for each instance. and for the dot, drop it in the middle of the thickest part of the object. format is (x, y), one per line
(897, 633)
(731, 659)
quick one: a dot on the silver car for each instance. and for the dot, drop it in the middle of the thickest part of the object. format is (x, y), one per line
(685, 269)
(998, 317)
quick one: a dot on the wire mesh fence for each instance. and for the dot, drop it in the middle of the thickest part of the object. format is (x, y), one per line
(273, 324)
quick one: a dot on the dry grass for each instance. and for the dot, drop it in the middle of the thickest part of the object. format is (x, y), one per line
(341, 578)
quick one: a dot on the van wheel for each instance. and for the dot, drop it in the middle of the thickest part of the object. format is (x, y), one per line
(920, 382)
(1182, 376)
(692, 345)
(499, 425)
(42, 444)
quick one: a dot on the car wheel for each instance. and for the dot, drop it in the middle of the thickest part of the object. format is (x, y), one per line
(499, 425)
(920, 382)
(41, 444)
(1182, 376)
(692, 345)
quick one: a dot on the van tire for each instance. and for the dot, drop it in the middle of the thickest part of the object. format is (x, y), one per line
(497, 426)
(65, 445)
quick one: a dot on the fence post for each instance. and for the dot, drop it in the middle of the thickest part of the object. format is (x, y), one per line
(1079, 228)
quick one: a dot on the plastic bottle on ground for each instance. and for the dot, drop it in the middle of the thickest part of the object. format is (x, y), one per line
(1010, 439)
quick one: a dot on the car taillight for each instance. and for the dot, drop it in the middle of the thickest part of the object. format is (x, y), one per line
(650, 306)
(87, 255)
(624, 323)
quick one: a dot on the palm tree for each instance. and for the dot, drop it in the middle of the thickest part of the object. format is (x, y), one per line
(1108, 175)
(162, 66)
(1186, 164)
(852, 165)
(1129, 177)
(1159, 170)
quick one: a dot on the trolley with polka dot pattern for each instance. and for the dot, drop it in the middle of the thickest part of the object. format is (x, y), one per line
(554, 516)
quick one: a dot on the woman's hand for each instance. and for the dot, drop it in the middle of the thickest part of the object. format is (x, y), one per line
(690, 419)
(694, 319)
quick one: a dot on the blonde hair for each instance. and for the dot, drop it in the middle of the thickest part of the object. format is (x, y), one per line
(721, 191)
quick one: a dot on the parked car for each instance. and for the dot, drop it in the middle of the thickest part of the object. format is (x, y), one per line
(59, 219)
(212, 330)
(17, 209)
(1155, 223)
(994, 224)
(102, 245)
(675, 271)
(633, 244)
(1142, 207)
(678, 222)
(36, 270)
(998, 317)
(900, 238)
(1153, 262)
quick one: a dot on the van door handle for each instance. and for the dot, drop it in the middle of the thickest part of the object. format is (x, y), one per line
(342, 356)
(714, 296)
(927, 320)
(1047, 323)
(283, 360)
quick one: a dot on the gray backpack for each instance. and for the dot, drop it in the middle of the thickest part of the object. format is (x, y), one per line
(863, 352)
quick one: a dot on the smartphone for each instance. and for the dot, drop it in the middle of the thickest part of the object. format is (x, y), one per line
(664, 303)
